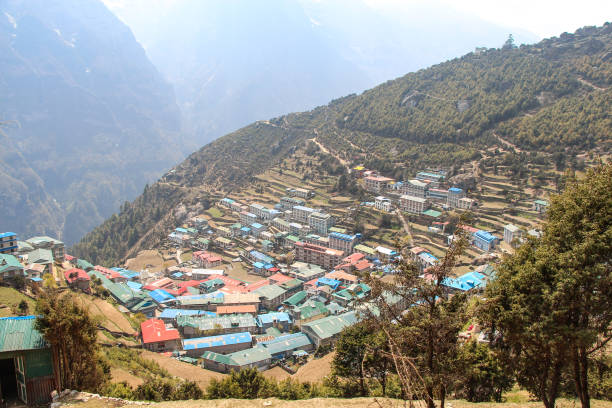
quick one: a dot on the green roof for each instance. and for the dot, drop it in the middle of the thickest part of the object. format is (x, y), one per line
(83, 264)
(43, 240)
(292, 238)
(236, 225)
(541, 202)
(330, 326)
(41, 256)
(19, 333)
(243, 320)
(365, 248)
(216, 357)
(432, 213)
(204, 241)
(291, 284)
(239, 358)
(297, 298)
(270, 291)
(273, 331)
(9, 262)
(312, 309)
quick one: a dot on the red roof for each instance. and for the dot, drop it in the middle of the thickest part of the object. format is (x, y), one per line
(354, 258)
(363, 265)
(221, 310)
(190, 283)
(80, 274)
(154, 330)
(256, 285)
(162, 283)
(279, 278)
(109, 273)
(69, 258)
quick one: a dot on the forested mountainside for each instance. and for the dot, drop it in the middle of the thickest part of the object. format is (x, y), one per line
(551, 99)
(88, 120)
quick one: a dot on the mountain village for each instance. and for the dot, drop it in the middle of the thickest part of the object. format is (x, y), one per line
(272, 280)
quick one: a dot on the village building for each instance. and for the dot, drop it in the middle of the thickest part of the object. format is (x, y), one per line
(377, 184)
(466, 203)
(318, 255)
(540, 206)
(437, 194)
(10, 267)
(454, 195)
(345, 278)
(271, 296)
(222, 344)
(256, 357)
(383, 204)
(77, 279)
(320, 222)
(287, 203)
(413, 204)
(43, 257)
(305, 271)
(415, 188)
(300, 192)
(280, 224)
(287, 345)
(27, 363)
(8, 243)
(367, 251)
(512, 233)
(195, 326)
(300, 214)
(247, 218)
(434, 178)
(281, 320)
(484, 240)
(325, 331)
(385, 254)
(159, 338)
(56, 246)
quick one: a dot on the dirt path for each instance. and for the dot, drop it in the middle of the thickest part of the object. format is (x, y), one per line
(507, 143)
(406, 227)
(326, 150)
(589, 84)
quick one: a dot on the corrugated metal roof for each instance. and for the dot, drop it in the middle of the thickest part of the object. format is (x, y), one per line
(18, 333)
(217, 341)
(331, 325)
(286, 343)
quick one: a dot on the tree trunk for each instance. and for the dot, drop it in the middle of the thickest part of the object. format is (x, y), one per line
(585, 399)
(430, 397)
(442, 395)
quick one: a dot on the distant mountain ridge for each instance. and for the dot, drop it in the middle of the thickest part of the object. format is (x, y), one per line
(440, 116)
(90, 120)
(240, 60)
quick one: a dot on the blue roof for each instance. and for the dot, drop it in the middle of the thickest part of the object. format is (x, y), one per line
(273, 317)
(455, 190)
(228, 200)
(35, 279)
(484, 235)
(245, 229)
(177, 274)
(7, 234)
(262, 257)
(466, 282)
(161, 296)
(172, 313)
(217, 341)
(202, 296)
(301, 207)
(126, 273)
(427, 257)
(344, 237)
(134, 285)
(258, 265)
(181, 230)
(268, 265)
(333, 283)
(256, 225)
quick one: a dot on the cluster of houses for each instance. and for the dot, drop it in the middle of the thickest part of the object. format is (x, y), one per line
(29, 260)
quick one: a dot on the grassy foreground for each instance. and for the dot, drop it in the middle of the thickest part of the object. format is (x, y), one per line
(328, 403)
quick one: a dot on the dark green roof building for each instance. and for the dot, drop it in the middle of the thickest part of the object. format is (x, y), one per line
(27, 369)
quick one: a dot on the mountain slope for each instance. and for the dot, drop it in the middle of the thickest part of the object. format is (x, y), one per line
(439, 117)
(90, 115)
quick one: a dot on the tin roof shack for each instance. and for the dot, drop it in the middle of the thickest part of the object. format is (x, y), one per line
(325, 331)
(27, 370)
(222, 344)
(256, 357)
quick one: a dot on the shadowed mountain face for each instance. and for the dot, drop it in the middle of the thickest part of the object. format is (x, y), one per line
(234, 62)
(90, 120)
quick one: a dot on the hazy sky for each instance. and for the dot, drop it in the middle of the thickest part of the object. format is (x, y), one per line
(545, 18)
